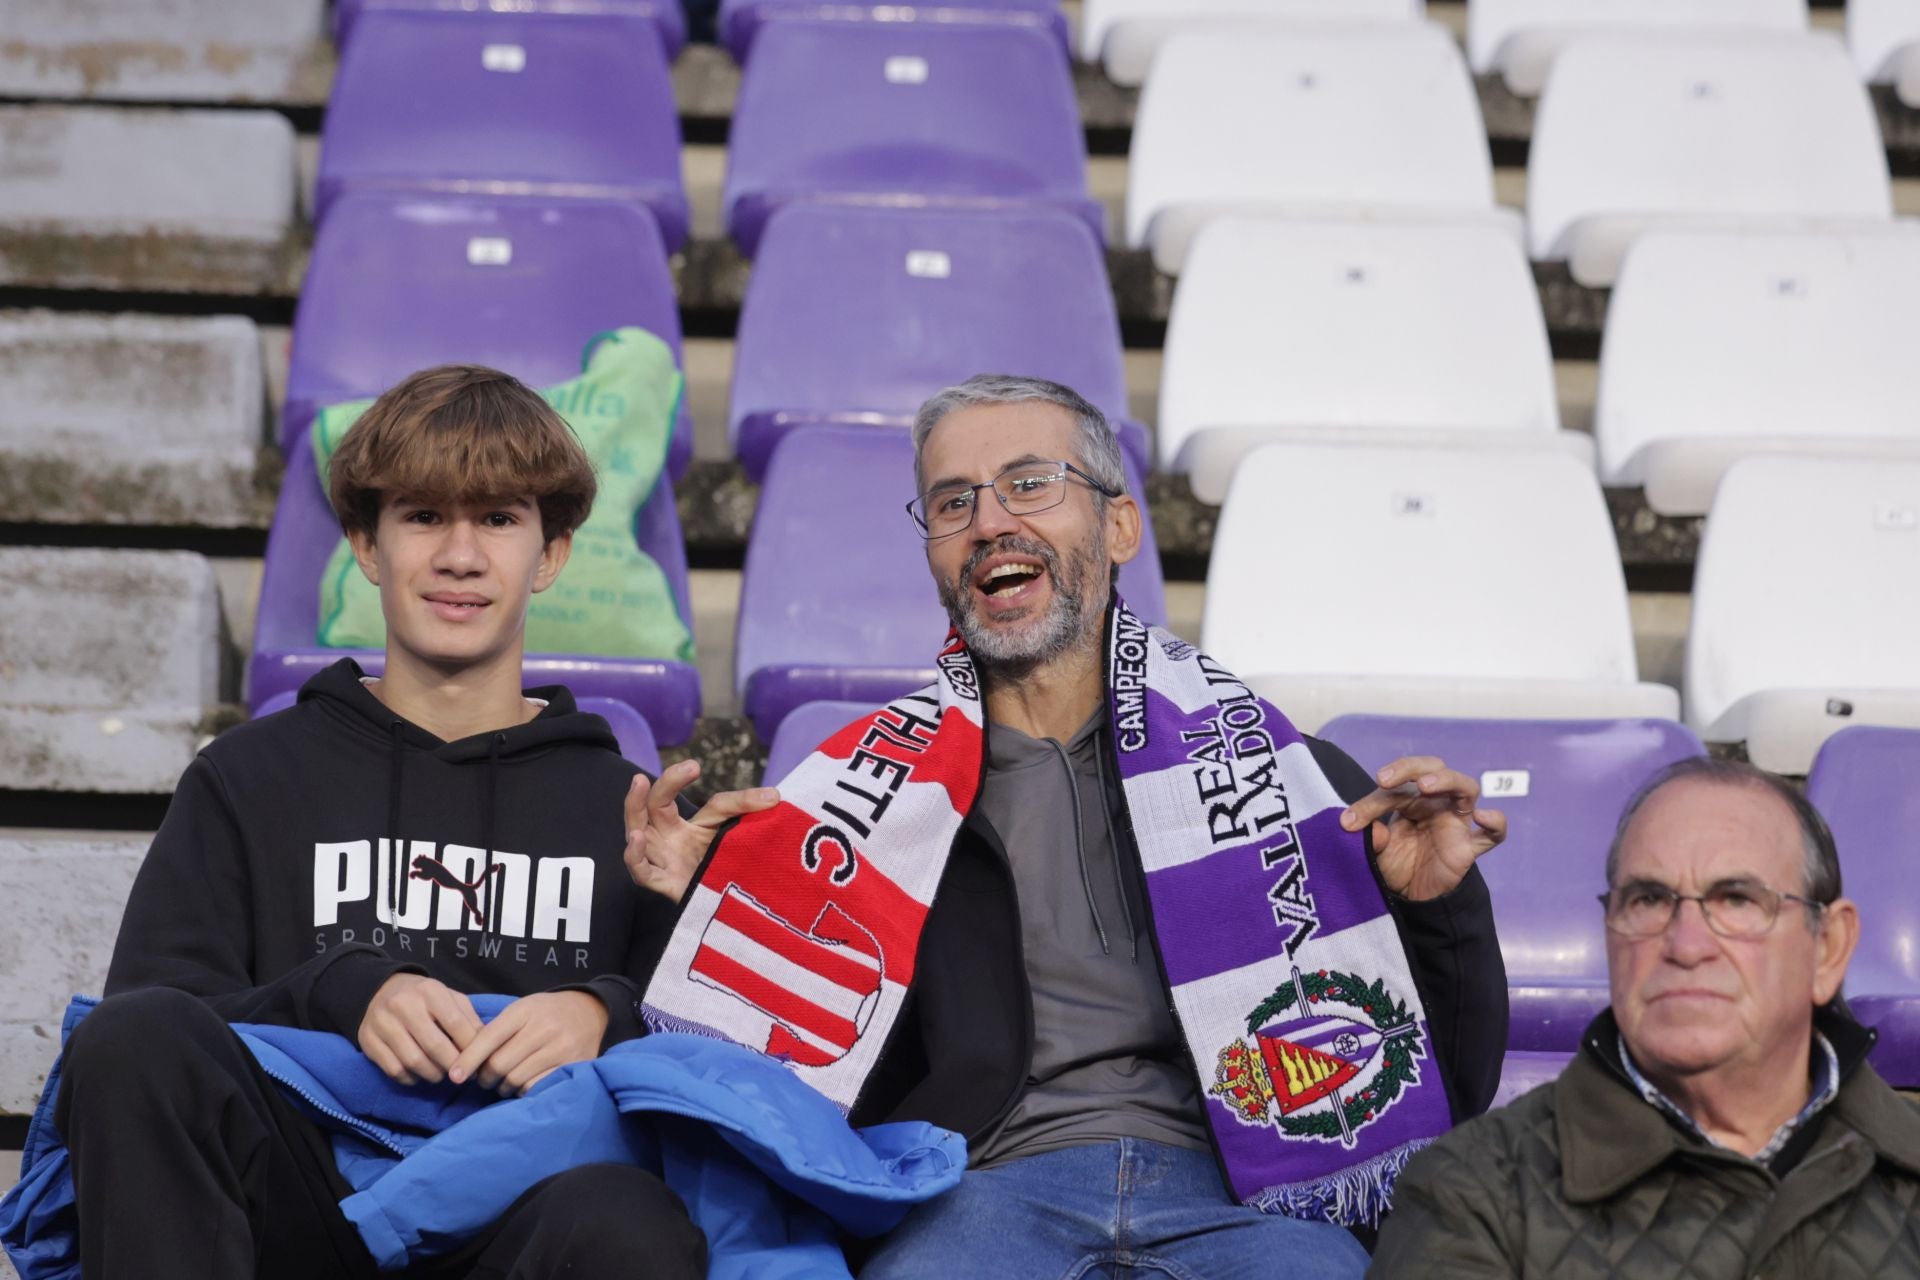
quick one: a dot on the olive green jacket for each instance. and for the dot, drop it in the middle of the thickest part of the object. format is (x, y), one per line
(1582, 1177)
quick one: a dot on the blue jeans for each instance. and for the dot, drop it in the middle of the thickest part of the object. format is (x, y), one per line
(1123, 1210)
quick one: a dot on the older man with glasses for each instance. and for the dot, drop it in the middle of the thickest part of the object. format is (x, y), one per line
(1721, 1118)
(1192, 986)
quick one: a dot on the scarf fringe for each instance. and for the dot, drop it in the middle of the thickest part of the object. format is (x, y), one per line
(1354, 1196)
(662, 1023)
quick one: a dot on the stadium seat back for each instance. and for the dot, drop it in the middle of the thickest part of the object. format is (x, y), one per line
(1804, 620)
(304, 534)
(905, 115)
(668, 17)
(567, 105)
(741, 20)
(1354, 120)
(1727, 130)
(803, 729)
(1863, 784)
(1125, 35)
(858, 315)
(1521, 38)
(1721, 343)
(837, 603)
(1866, 784)
(399, 282)
(1337, 578)
(1349, 325)
(1562, 785)
(1884, 36)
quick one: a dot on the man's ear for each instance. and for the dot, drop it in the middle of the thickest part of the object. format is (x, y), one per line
(363, 552)
(553, 558)
(1123, 529)
(1833, 948)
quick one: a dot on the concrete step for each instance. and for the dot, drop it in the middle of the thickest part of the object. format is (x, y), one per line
(132, 419)
(188, 201)
(110, 667)
(65, 892)
(166, 50)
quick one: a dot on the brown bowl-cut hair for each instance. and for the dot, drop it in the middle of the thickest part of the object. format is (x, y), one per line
(461, 433)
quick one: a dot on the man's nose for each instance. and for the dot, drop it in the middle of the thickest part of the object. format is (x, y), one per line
(460, 550)
(1689, 938)
(991, 517)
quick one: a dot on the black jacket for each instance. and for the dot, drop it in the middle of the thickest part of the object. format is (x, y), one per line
(962, 1049)
(276, 891)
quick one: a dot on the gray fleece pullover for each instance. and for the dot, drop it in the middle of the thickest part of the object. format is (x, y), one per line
(1108, 1062)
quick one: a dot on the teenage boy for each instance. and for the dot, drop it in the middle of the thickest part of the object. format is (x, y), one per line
(362, 862)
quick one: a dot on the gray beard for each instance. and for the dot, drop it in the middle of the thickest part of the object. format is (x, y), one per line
(1057, 632)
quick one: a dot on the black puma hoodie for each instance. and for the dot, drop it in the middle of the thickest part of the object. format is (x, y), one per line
(309, 856)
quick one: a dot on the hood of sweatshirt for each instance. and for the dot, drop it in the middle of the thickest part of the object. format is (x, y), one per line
(342, 691)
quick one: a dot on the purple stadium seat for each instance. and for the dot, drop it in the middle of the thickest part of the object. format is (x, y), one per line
(859, 314)
(1522, 1072)
(303, 536)
(668, 17)
(1562, 785)
(1866, 783)
(401, 282)
(837, 604)
(741, 20)
(905, 115)
(803, 729)
(629, 727)
(556, 105)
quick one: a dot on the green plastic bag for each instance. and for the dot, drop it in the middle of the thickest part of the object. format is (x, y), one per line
(612, 600)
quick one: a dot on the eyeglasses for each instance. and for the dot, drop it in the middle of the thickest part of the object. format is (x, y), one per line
(1734, 910)
(1025, 489)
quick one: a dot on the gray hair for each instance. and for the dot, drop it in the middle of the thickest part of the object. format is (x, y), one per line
(1821, 874)
(1099, 449)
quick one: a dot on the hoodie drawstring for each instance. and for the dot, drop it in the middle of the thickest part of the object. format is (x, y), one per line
(493, 812)
(396, 847)
(1080, 845)
(1126, 907)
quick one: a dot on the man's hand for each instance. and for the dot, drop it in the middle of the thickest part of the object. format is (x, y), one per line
(531, 1037)
(665, 849)
(1437, 830)
(415, 1028)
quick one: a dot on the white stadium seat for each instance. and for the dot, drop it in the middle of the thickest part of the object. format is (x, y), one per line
(1347, 121)
(1885, 37)
(1519, 39)
(1805, 616)
(1721, 344)
(1304, 329)
(1721, 131)
(1423, 581)
(1124, 35)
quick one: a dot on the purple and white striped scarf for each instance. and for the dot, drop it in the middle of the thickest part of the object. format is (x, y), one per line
(1288, 978)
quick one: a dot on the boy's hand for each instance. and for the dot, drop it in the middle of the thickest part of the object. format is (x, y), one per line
(531, 1037)
(415, 1028)
(665, 849)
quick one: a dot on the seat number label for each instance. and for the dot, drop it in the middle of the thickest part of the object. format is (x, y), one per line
(906, 69)
(929, 264)
(1506, 783)
(489, 251)
(508, 58)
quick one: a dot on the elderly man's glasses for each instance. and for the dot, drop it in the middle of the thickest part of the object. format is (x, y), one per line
(1735, 909)
(1025, 489)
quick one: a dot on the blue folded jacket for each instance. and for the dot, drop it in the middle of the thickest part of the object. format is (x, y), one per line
(768, 1168)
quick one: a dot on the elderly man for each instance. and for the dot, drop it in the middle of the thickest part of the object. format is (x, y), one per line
(1720, 1119)
(1092, 904)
